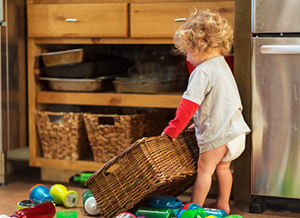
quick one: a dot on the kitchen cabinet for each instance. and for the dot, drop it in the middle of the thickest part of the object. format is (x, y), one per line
(78, 20)
(160, 20)
(98, 22)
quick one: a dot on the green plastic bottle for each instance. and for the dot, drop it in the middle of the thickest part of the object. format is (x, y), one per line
(89, 203)
(194, 213)
(234, 216)
(155, 212)
(80, 179)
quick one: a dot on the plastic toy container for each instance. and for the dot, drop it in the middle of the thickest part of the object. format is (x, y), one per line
(166, 201)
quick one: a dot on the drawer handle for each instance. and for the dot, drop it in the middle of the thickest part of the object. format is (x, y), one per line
(71, 19)
(180, 19)
(280, 49)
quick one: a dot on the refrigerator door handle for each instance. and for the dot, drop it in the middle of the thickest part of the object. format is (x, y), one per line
(280, 49)
(1, 12)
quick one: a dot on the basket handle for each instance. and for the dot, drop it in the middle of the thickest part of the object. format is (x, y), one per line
(55, 118)
(106, 120)
(59, 117)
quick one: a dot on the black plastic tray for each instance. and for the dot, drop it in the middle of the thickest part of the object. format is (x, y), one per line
(86, 69)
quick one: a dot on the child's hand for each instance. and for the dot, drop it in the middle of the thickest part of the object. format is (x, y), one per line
(191, 127)
(164, 134)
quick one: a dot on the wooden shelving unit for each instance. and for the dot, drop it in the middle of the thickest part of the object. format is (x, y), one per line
(141, 22)
(170, 100)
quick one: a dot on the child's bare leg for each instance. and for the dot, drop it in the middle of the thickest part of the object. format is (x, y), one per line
(207, 164)
(224, 177)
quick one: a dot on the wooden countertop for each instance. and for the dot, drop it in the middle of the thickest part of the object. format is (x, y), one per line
(112, 1)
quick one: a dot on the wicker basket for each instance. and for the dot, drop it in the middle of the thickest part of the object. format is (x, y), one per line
(110, 134)
(151, 166)
(62, 135)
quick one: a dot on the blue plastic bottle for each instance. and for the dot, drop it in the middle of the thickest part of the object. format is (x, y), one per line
(40, 192)
(167, 202)
(216, 212)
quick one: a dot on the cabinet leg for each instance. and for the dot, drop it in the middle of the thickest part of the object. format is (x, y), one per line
(2, 168)
(257, 205)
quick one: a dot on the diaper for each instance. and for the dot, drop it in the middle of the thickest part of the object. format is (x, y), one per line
(235, 148)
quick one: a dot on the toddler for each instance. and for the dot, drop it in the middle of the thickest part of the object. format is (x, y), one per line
(212, 100)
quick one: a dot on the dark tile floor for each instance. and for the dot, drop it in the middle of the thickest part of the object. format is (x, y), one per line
(24, 177)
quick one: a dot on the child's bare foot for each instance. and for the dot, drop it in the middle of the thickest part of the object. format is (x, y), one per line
(218, 205)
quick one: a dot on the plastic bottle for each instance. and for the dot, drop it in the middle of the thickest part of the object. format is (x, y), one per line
(186, 206)
(230, 216)
(195, 213)
(215, 212)
(26, 203)
(128, 215)
(125, 215)
(42, 210)
(64, 197)
(80, 179)
(89, 203)
(40, 192)
(155, 212)
(167, 202)
(209, 211)
(31, 202)
(234, 216)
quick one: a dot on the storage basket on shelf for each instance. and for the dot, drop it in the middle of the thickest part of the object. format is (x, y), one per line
(110, 134)
(62, 135)
(149, 167)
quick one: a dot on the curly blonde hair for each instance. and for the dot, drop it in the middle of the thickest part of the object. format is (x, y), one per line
(203, 31)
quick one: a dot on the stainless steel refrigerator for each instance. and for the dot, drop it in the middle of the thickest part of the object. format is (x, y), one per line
(13, 112)
(275, 76)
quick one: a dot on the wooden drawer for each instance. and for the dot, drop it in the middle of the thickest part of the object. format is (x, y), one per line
(157, 20)
(78, 20)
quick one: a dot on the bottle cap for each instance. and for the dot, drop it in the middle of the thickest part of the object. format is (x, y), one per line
(25, 203)
(70, 199)
(91, 206)
(66, 214)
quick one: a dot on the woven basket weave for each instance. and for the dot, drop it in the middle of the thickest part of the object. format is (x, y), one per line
(151, 166)
(110, 134)
(62, 135)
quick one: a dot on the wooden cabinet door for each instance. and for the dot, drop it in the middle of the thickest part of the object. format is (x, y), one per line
(157, 20)
(78, 20)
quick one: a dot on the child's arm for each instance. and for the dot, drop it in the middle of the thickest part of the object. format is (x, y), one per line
(184, 114)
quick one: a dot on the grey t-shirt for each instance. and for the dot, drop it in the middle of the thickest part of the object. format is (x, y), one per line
(219, 118)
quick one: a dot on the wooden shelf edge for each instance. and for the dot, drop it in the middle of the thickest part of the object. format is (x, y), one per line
(102, 41)
(110, 99)
(68, 164)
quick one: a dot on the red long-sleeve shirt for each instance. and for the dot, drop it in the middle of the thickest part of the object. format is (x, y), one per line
(184, 114)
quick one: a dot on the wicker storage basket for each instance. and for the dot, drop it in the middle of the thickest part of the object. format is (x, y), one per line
(110, 134)
(151, 166)
(62, 135)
